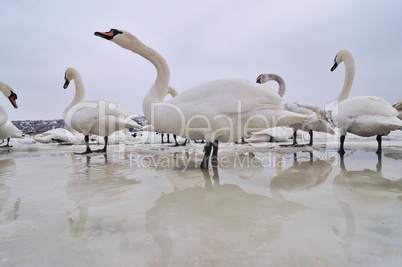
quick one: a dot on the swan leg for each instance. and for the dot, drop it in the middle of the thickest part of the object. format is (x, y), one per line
(168, 138)
(214, 159)
(103, 150)
(177, 143)
(294, 140)
(379, 163)
(8, 143)
(379, 139)
(162, 138)
(207, 148)
(341, 150)
(88, 150)
(175, 140)
(311, 137)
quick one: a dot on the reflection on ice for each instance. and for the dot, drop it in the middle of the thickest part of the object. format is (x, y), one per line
(220, 221)
(261, 206)
(94, 185)
(7, 170)
(302, 175)
(364, 197)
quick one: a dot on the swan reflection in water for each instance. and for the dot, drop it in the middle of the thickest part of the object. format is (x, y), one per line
(215, 221)
(94, 186)
(7, 169)
(302, 175)
(367, 198)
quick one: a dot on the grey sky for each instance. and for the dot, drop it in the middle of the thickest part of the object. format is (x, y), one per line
(201, 41)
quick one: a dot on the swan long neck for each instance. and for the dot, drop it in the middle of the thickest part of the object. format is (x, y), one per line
(281, 82)
(159, 89)
(79, 90)
(349, 76)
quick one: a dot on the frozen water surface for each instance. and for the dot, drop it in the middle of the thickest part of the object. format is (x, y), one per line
(150, 205)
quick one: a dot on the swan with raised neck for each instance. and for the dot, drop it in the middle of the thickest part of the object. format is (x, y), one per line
(346, 57)
(159, 89)
(220, 110)
(361, 115)
(100, 117)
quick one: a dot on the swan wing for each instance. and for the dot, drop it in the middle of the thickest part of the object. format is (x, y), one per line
(366, 116)
(365, 105)
(306, 108)
(228, 96)
(94, 116)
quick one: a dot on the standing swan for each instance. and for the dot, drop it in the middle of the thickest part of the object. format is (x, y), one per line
(220, 110)
(12, 96)
(7, 129)
(319, 124)
(101, 117)
(361, 115)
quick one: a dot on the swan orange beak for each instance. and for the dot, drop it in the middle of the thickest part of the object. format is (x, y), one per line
(108, 35)
(13, 97)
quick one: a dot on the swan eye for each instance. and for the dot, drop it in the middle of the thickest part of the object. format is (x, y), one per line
(115, 32)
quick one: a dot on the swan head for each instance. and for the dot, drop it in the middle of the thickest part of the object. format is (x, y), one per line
(120, 37)
(9, 93)
(262, 78)
(69, 76)
(265, 77)
(340, 57)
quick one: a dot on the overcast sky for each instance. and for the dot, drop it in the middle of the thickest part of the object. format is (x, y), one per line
(201, 41)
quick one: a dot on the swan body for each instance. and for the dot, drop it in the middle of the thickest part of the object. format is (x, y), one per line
(117, 137)
(398, 107)
(320, 121)
(9, 130)
(275, 134)
(12, 96)
(361, 115)
(100, 117)
(58, 135)
(220, 110)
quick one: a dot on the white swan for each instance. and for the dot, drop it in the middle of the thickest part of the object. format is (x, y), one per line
(361, 115)
(220, 110)
(9, 130)
(100, 117)
(398, 107)
(117, 137)
(320, 123)
(275, 134)
(58, 135)
(12, 96)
